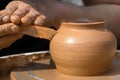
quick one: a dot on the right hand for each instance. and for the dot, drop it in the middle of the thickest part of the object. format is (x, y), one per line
(20, 12)
(33, 12)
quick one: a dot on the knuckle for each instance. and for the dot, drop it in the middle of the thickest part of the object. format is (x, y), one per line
(42, 17)
(39, 21)
(31, 16)
(15, 19)
(19, 13)
(11, 4)
(24, 20)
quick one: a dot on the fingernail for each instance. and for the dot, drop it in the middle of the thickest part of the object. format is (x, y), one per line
(15, 19)
(40, 22)
(43, 17)
(5, 19)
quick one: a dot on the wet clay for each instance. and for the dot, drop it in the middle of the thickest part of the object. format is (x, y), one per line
(83, 48)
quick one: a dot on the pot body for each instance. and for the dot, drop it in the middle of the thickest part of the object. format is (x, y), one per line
(83, 49)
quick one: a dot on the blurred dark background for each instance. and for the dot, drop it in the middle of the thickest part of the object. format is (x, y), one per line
(3, 3)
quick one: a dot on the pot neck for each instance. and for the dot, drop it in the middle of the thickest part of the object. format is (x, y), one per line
(66, 26)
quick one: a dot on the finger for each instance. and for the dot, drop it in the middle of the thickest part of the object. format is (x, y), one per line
(6, 41)
(4, 18)
(8, 28)
(5, 15)
(11, 7)
(29, 18)
(40, 20)
(18, 14)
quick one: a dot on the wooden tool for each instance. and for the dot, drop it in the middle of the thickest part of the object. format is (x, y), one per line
(39, 32)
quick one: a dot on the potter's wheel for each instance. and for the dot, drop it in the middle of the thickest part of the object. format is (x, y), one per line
(11, 61)
(42, 70)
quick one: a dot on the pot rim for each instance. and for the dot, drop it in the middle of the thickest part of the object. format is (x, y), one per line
(84, 21)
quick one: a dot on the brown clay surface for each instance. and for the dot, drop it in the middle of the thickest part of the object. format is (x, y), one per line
(42, 70)
(83, 48)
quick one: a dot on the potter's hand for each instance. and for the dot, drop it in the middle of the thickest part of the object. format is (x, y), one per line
(21, 12)
(27, 12)
(9, 33)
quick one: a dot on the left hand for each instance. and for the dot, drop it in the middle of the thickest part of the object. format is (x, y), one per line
(9, 33)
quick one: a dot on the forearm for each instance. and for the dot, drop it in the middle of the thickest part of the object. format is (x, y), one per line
(55, 11)
(66, 10)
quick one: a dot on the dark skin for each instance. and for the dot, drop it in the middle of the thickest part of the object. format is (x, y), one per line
(107, 9)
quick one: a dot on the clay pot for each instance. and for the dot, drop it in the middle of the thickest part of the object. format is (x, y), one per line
(83, 48)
